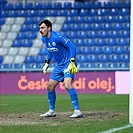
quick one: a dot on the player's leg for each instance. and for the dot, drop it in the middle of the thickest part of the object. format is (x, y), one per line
(51, 98)
(73, 96)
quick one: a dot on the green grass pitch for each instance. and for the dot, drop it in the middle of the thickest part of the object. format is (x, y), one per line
(101, 112)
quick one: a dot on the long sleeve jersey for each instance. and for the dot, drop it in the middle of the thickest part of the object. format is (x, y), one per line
(59, 47)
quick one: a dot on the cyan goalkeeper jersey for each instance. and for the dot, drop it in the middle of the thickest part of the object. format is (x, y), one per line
(59, 47)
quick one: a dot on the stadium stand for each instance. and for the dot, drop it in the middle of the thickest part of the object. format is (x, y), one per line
(100, 31)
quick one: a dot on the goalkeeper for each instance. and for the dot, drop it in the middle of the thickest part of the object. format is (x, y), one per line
(63, 51)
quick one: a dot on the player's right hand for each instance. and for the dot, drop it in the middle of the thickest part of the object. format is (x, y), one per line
(45, 67)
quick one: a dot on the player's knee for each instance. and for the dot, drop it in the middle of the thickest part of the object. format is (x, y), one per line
(50, 87)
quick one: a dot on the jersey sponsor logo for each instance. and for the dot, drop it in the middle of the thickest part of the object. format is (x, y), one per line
(53, 43)
(64, 39)
(53, 49)
(66, 71)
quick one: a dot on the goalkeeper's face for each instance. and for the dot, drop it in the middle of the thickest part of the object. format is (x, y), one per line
(44, 30)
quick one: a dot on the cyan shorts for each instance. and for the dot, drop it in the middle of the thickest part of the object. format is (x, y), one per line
(61, 72)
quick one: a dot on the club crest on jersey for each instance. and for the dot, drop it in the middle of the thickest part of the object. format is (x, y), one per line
(53, 43)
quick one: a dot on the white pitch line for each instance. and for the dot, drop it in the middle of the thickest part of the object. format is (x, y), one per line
(117, 129)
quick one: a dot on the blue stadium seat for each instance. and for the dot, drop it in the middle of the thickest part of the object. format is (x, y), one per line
(29, 59)
(52, 12)
(101, 65)
(96, 26)
(110, 19)
(85, 50)
(14, 66)
(122, 42)
(93, 12)
(117, 4)
(47, 5)
(69, 20)
(83, 12)
(120, 19)
(104, 58)
(103, 34)
(57, 5)
(108, 50)
(1, 59)
(124, 65)
(104, 12)
(73, 12)
(17, 43)
(93, 34)
(75, 27)
(127, 50)
(100, 42)
(78, 49)
(13, 13)
(82, 34)
(42, 13)
(23, 13)
(2, 21)
(4, 13)
(21, 35)
(96, 50)
(90, 65)
(125, 34)
(126, 26)
(115, 58)
(27, 43)
(89, 19)
(126, 3)
(28, 6)
(67, 5)
(87, 5)
(34, 28)
(18, 6)
(4, 66)
(107, 4)
(118, 50)
(79, 19)
(99, 19)
(33, 13)
(125, 57)
(85, 26)
(79, 42)
(25, 27)
(111, 42)
(31, 35)
(124, 11)
(113, 12)
(9, 6)
(117, 26)
(82, 58)
(63, 12)
(72, 34)
(40, 59)
(43, 51)
(107, 26)
(93, 58)
(66, 27)
(38, 5)
(77, 5)
(114, 34)
(89, 42)
(29, 20)
(96, 5)
(112, 65)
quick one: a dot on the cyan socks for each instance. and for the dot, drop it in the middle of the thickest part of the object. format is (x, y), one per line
(74, 98)
(51, 99)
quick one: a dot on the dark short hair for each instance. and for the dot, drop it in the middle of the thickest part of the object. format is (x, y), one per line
(46, 22)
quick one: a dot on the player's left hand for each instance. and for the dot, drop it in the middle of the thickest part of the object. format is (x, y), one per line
(72, 67)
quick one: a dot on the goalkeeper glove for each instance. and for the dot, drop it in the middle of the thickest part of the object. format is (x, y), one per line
(45, 66)
(72, 67)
